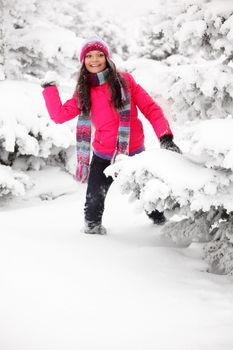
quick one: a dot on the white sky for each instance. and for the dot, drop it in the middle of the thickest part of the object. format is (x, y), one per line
(126, 8)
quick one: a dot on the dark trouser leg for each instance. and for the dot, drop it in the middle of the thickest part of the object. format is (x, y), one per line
(157, 217)
(97, 188)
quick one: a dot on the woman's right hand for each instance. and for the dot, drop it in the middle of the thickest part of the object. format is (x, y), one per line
(50, 79)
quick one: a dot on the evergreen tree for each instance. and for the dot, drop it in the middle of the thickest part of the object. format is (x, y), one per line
(38, 36)
(156, 37)
(198, 87)
(46, 35)
(17, 16)
(2, 44)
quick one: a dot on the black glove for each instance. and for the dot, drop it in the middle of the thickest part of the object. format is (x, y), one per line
(166, 142)
(50, 79)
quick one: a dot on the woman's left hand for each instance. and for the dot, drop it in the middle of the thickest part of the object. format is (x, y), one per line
(166, 142)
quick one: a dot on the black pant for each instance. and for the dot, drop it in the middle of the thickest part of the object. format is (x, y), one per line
(97, 188)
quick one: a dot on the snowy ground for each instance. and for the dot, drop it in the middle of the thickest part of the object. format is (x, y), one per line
(130, 290)
(62, 289)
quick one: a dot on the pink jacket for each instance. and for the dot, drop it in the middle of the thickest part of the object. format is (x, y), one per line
(105, 118)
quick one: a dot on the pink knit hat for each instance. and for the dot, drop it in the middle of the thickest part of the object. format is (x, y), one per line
(94, 43)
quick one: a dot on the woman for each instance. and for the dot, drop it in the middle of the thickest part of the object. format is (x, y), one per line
(106, 100)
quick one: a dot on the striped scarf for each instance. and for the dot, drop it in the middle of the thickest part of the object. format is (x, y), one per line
(83, 130)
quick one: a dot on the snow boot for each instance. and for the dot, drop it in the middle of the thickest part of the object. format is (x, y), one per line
(95, 229)
(157, 217)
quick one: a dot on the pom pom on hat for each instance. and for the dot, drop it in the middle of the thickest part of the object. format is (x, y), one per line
(94, 43)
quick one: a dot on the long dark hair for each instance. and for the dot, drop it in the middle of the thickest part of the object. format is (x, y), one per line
(115, 82)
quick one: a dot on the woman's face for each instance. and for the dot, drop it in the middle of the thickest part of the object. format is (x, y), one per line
(95, 61)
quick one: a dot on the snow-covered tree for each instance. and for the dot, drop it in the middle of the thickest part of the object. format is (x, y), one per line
(191, 28)
(15, 16)
(112, 32)
(38, 36)
(2, 43)
(196, 88)
(156, 39)
(47, 35)
(29, 140)
(13, 183)
(197, 201)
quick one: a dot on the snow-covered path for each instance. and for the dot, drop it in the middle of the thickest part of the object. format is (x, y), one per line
(129, 290)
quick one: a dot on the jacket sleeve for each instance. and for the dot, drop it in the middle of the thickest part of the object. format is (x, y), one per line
(59, 112)
(149, 108)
